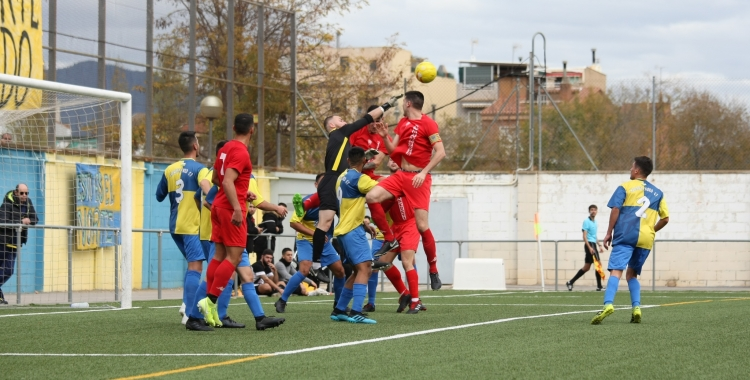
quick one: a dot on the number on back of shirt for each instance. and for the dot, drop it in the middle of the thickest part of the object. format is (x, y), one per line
(222, 157)
(178, 190)
(641, 213)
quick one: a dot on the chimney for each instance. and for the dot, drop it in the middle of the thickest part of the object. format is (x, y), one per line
(338, 40)
(566, 89)
(593, 56)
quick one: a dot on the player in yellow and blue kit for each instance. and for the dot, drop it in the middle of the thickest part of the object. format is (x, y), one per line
(180, 182)
(351, 189)
(305, 226)
(633, 224)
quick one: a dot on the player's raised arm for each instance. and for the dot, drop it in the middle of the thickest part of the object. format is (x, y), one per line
(371, 116)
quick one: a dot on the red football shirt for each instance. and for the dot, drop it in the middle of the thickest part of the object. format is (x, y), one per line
(366, 140)
(233, 155)
(415, 141)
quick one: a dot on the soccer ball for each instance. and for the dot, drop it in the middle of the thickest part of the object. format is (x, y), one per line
(425, 72)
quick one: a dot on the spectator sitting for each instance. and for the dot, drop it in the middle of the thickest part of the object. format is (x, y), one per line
(286, 269)
(272, 224)
(266, 278)
(16, 209)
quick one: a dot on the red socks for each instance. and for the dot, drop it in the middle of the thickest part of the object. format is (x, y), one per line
(378, 216)
(428, 242)
(395, 277)
(413, 279)
(210, 273)
(221, 277)
(312, 202)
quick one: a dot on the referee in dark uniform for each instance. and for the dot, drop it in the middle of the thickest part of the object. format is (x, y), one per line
(335, 164)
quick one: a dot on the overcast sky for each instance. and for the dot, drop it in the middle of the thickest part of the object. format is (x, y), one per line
(634, 38)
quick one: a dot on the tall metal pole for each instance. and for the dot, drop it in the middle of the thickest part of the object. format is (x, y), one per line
(261, 68)
(539, 111)
(518, 126)
(278, 144)
(52, 70)
(293, 77)
(653, 122)
(19, 287)
(148, 149)
(211, 155)
(531, 109)
(229, 101)
(191, 77)
(101, 68)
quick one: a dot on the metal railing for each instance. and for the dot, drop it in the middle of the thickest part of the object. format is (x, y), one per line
(557, 242)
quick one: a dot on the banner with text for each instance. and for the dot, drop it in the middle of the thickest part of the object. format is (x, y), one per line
(21, 51)
(97, 205)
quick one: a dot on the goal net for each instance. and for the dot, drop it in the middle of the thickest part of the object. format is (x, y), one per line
(66, 182)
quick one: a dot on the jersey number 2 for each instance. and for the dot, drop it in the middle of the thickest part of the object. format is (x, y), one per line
(641, 213)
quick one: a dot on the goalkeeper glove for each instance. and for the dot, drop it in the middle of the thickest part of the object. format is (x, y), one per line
(391, 102)
(370, 153)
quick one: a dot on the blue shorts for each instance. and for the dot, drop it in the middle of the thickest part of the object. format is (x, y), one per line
(356, 246)
(305, 248)
(627, 256)
(376, 244)
(208, 249)
(245, 260)
(189, 246)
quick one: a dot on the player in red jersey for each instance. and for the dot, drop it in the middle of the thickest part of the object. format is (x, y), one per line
(231, 173)
(416, 137)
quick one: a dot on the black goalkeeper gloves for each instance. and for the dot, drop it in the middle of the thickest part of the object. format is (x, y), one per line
(391, 102)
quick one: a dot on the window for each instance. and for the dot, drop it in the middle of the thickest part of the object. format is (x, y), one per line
(373, 65)
(476, 75)
(475, 118)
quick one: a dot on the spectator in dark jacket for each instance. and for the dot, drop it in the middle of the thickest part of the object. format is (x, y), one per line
(15, 209)
(272, 224)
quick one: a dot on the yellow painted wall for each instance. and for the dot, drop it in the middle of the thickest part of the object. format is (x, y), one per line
(92, 269)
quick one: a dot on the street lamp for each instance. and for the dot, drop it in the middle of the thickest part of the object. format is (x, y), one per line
(281, 124)
(211, 107)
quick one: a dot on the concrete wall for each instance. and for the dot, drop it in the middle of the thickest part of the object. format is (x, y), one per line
(710, 206)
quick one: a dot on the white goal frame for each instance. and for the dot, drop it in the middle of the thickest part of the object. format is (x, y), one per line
(126, 169)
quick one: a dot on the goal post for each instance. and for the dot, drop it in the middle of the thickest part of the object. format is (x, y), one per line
(15, 85)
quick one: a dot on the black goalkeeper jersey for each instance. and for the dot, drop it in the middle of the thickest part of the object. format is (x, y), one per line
(338, 145)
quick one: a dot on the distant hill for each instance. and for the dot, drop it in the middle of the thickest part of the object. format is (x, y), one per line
(84, 74)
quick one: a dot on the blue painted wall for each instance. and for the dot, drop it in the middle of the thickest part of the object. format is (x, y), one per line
(156, 216)
(18, 166)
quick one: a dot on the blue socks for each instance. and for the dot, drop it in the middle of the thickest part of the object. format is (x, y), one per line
(372, 287)
(293, 284)
(338, 287)
(193, 312)
(635, 292)
(192, 282)
(346, 296)
(252, 300)
(359, 291)
(223, 302)
(609, 294)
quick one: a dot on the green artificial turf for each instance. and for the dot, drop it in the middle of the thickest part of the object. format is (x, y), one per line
(688, 340)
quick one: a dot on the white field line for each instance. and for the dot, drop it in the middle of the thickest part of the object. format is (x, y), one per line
(60, 312)
(121, 355)
(346, 344)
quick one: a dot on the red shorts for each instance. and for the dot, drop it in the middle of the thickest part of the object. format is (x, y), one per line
(224, 232)
(407, 235)
(399, 185)
(371, 173)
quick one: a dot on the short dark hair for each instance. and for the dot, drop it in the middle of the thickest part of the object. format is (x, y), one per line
(326, 121)
(242, 123)
(319, 176)
(220, 145)
(285, 250)
(368, 217)
(186, 141)
(282, 204)
(644, 164)
(356, 155)
(594, 207)
(416, 98)
(267, 252)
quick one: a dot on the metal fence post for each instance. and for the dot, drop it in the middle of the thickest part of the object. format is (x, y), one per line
(70, 265)
(158, 260)
(191, 61)
(653, 267)
(229, 101)
(460, 249)
(555, 265)
(117, 266)
(261, 139)
(18, 264)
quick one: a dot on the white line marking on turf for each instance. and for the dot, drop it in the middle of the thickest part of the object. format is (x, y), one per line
(60, 312)
(121, 355)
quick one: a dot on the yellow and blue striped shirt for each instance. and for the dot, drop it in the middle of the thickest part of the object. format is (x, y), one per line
(640, 203)
(180, 182)
(351, 188)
